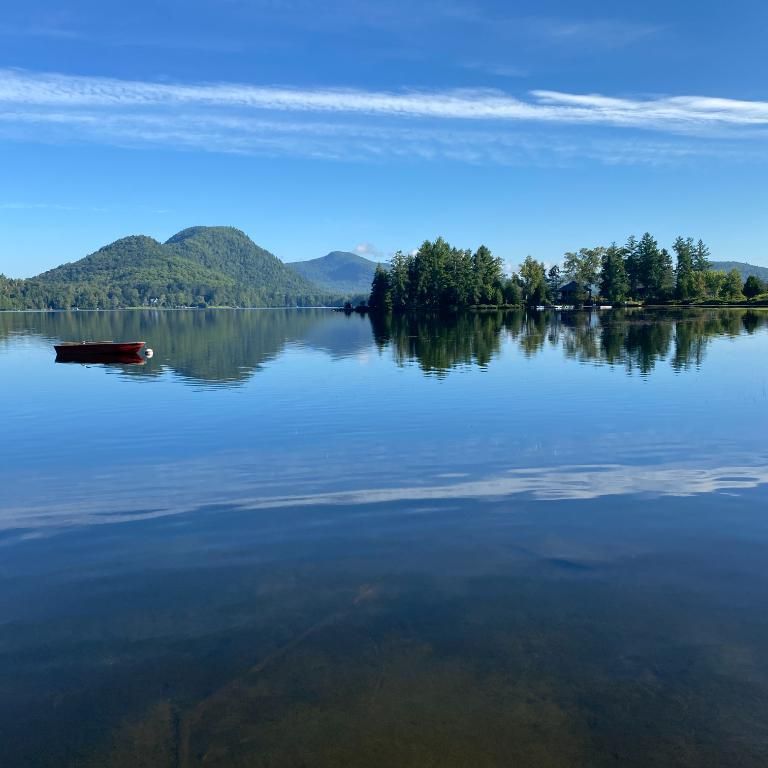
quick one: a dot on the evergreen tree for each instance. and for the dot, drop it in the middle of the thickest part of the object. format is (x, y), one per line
(459, 284)
(684, 284)
(399, 281)
(554, 280)
(381, 294)
(513, 291)
(753, 286)
(632, 263)
(666, 276)
(655, 268)
(430, 272)
(438, 275)
(614, 284)
(488, 273)
(701, 262)
(648, 258)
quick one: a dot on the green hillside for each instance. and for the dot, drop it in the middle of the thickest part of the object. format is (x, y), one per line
(201, 266)
(230, 252)
(338, 271)
(744, 269)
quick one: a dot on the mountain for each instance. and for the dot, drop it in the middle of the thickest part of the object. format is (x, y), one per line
(339, 271)
(745, 269)
(129, 262)
(200, 266)
(228, 251)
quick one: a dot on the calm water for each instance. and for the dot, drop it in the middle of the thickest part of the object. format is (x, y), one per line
(295, 538)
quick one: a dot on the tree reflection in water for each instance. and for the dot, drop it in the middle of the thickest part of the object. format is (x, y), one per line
(227, 347)
(635, 339)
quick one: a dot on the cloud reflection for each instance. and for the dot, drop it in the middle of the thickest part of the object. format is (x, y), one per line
(105, 505)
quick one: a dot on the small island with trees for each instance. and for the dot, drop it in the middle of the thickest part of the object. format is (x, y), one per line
(440, 276)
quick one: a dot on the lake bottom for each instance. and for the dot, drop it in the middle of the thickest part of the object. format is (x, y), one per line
(614, 631)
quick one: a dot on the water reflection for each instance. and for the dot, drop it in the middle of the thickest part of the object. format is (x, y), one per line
(228, 347)
(215, 347)
(323, 541)
(635, 339)
(442, 342)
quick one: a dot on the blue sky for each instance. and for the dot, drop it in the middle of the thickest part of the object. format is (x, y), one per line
(532, 127)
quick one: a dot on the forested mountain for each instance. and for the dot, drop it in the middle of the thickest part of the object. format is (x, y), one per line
(205, 266)
(339, 271)
(230, 252)
(745, 270)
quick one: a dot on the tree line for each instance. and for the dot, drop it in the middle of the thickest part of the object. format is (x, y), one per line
(149, 291)
(440, 275)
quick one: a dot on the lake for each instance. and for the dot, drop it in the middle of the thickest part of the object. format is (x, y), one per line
(297, 538)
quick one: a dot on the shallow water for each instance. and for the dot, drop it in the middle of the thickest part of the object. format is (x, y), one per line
(295, 538)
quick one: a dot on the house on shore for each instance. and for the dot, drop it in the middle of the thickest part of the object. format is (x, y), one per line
(574, 293)
(569, 293)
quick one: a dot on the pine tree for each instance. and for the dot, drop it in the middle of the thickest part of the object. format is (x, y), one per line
(381, 294)
(488, 274)
(684, 284)
(652, 266)
(701, 262)
(554, 280)
(666, 287)
(399, 280)
(614, 284)
(753, 286)
(632, 265)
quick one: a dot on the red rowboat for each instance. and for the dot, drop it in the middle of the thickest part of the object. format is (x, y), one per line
(101, 352)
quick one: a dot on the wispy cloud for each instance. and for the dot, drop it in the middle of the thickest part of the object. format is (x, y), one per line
(475, 126)
(495, 68)
(40, 30)
(608, 33)
(553, 31)
(358, 141)
(665, 112)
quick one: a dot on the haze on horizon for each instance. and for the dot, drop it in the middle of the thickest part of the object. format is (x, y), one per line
(531, 127)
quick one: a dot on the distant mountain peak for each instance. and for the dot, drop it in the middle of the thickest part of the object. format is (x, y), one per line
(342, 271)
(745, 269)
(190, 232)
(132, 240)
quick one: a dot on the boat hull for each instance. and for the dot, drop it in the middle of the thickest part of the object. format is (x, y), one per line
(100, 352)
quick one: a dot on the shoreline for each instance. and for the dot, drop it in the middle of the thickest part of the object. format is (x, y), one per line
(473, 308)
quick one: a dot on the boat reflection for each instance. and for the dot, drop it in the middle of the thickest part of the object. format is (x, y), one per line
(103, 358)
